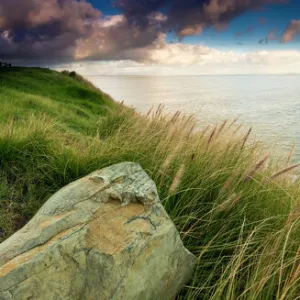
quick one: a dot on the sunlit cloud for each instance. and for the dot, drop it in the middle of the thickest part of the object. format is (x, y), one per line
(291, 32)
(184, 59)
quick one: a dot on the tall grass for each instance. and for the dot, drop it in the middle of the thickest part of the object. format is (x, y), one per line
(236, 209)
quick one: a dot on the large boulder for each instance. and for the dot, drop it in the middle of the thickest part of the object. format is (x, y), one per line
(105, 236)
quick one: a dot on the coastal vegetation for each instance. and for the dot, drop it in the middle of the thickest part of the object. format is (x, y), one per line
(236, 207)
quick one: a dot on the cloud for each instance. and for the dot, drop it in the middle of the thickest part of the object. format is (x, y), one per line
(139, 33)
(69, 29)
(292, 30)
(201, 55)
(183, 59)
(38, 28)
(190, 17)
(162, 53)
(74, 29)
(272, 36)
(185, 54)
(115, 38)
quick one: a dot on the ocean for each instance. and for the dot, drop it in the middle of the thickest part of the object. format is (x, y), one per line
(268, 103)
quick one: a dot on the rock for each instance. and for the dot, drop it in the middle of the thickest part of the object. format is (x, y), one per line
(105, 236)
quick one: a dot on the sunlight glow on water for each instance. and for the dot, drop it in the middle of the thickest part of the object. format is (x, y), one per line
(271, 104)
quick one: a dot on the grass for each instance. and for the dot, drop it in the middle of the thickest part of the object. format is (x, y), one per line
(65, 97)
(236, 209)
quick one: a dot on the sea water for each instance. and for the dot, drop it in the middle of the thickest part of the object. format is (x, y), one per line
(269, 103)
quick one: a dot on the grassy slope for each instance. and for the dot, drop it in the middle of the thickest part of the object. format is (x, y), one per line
(75, 104)
(242, 223)
(41, 113)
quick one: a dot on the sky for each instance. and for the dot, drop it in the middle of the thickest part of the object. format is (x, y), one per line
(157, 37)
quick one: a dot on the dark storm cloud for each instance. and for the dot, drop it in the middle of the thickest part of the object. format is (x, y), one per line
(39, 28)
(68, 29)
(188, 17)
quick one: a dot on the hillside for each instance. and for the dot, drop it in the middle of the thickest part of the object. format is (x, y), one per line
(27, 91)
(235, 208)
(42, 112)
